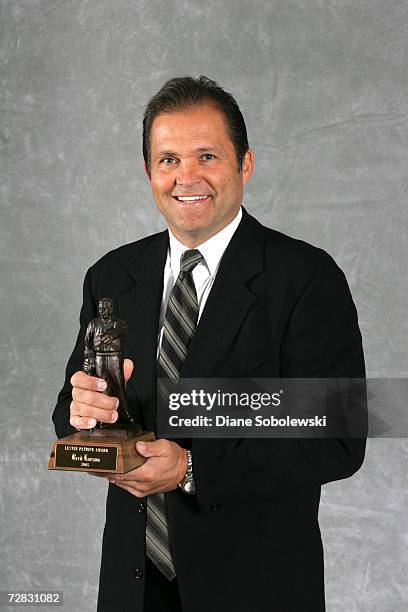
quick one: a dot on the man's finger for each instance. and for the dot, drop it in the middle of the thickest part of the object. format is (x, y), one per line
(127, 368)
(82, 422)
(90, 383)
(97, 400)
(93, 412)
(151, 449)
(135, 477)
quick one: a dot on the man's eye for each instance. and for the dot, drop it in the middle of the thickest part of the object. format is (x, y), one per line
(167, 161)
(208, 156)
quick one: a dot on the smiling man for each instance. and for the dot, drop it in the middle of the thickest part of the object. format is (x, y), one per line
(196, 179)
(214, 524)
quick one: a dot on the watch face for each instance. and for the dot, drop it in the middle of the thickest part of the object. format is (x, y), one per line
(189, 486)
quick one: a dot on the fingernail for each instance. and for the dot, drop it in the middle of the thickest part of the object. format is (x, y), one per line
(141, 446)
(101, 384)
(91, 422)
(114, 417)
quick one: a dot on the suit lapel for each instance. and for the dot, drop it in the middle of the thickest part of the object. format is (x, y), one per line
(140, 308)
(229, 301)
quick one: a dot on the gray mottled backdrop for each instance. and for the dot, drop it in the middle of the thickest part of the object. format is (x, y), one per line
(323, 86)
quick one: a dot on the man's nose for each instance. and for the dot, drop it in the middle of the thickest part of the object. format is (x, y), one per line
(188, 174)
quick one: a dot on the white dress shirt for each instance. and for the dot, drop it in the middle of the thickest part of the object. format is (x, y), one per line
(203, 274)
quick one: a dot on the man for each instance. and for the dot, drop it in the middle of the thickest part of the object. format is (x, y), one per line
(217, 295)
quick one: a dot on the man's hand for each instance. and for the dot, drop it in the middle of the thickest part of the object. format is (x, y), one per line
(107, 338)
(89, 403)
(165, 467)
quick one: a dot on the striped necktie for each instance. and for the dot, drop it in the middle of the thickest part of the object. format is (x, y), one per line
(179, 326)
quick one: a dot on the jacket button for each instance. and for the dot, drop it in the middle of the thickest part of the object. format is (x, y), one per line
(139, 573)
(141, 507)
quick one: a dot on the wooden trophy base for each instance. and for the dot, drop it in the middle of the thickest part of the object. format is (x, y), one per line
(104, 450)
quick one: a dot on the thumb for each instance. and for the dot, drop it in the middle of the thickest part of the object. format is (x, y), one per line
(127, 368)
(146, 449)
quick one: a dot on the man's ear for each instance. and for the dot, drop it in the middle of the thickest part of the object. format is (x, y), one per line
(248, 166)
(146, 167)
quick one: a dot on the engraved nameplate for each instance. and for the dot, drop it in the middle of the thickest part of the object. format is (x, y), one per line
(87, 457)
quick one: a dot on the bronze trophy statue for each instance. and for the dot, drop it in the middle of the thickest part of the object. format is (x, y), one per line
(109, 448)
(103, 357)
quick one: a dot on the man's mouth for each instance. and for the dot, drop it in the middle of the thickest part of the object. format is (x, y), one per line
(191, 198)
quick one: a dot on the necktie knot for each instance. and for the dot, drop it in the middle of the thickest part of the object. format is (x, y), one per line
(190, 259)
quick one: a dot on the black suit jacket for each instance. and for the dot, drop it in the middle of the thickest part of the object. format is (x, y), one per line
(249, 541)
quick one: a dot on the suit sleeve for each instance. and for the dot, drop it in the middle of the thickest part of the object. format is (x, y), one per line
(321, 340)
(61, 412)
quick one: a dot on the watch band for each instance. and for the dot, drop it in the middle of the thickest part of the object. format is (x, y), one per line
(187, 484)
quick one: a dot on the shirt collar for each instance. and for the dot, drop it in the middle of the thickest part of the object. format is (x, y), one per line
(212, 249)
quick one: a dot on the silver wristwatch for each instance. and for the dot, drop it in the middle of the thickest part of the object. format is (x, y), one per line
(187, 484)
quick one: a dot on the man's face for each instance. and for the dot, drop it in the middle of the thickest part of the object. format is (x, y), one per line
(105, 309)
(194, 173)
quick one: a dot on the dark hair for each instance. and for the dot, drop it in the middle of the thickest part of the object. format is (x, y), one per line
(185, 92)
(105, 300)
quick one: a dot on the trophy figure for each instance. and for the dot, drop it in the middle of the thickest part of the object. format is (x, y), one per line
(103, 357)
(109, 448)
